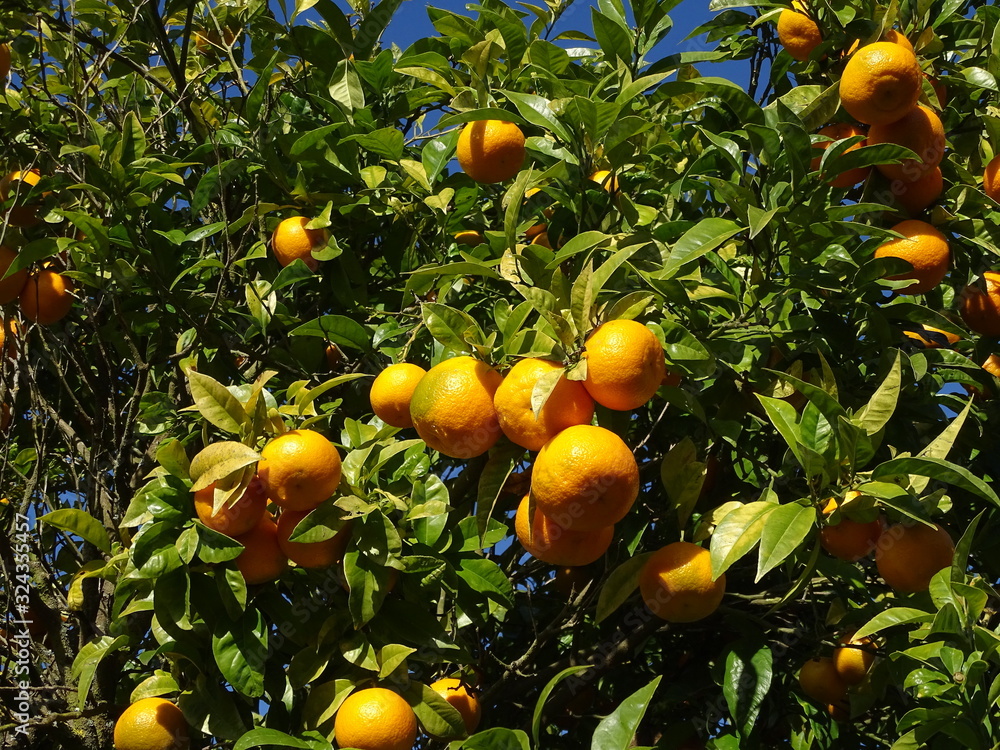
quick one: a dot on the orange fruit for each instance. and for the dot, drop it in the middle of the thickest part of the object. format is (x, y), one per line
(291, 240)
(819, 680)
(891, 35)
(311, 554)
(151, 724)
(798, 33)
(9, 331)
(4, 62)
(545, 540)
(375, 719)
(392, 391)
(568, 404)
(469, 238)
(981, 309)
(849, 540)
(47, 297)
(299, 469)
(991, 365)
(625, 364)
(462, 699)
(238, 518)
(261, 560)
(837, 132)
(585, 478)
(452, 407)
(925, 248)
(932, 337)
(991, 179)
(919, 130)
(542, 238)
(853, 658)
(491, 150)
(881, 83)
(17, 185)
(676, 583)
(333, 355)
(534, 230)
(907, 557)
(605, 179)
(918, 195)
(10, 287)
(209, 42)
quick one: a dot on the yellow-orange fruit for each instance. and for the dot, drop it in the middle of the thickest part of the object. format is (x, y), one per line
(919, 130)
(605, 179)
(47, 297)
(907, 557)
(585, 478)
(925, 248)
(261, 560)
(392, 392)
(838, 132)
(981, 309)
(891, 35)
(881, 83)
(299, 470)
(931, 337)
(798, 33)
(545, 540)
(849, 540)
(676, 583)
(452, 407)
(917, 196)
(18, 184)
(462, 699)
(991, 179)
(10, 287)
(625, 364)
(236, 519)
(853, 658)
(819, 680)
(991, 365)
(310, 554)
(151, 724)
(469, 238)
(569, 404)
(291, 240)
(375, 719)
(490, 151)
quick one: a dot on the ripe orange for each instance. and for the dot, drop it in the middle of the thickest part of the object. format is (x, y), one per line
(881, 83)
(932, 337)
(299, 469)
(47, 297)
(625, 364)
(925, 248)
(991, 365)
(261, 560)
(469, 238)
(569, 404)
(542, 238)
(849, 540)
(545, 540)
(919, 130)
(9, 332)
(333, 355)
(606, 180)
(462, 699)
(819, 680)
(981, 309)
(375, 719)
(491, 150)
(676, 583)
(918, 195)
(798, 33)
(991, 179)
(4, 62)
(291, 240)
(392, 391)
(209, 42)
(907, 557)
(17, 185)
(10, 287)
(151, 724)
(585, 478)
(853, 658)
(452, 407)
(891, 35)
(238, 518)
(311, 554)
(837, 132)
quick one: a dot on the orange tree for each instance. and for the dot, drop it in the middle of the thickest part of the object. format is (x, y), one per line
(223, 220)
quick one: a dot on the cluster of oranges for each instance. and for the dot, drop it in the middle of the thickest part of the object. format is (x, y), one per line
(45, 295)
(827, 679)
(584, 478)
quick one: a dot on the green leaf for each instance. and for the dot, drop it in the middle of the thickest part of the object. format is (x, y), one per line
(502, 461)
(89, 659)
(891, 618)
(436, 715)
(620, 584)
(497, 739)
(683, 476)
(536, 717)
(339, 329)
(538, 111)
(80, 523)
(738, 533)
(261, 737)
(216, 403)
(939, 469)
(702, 238)
(220, 460)
(876, 413)
(486, 577)
(940, 446)
(240, 651)
(172, 457)
(617, 730)
(748, 679)
(452, 328)
(786, 528)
